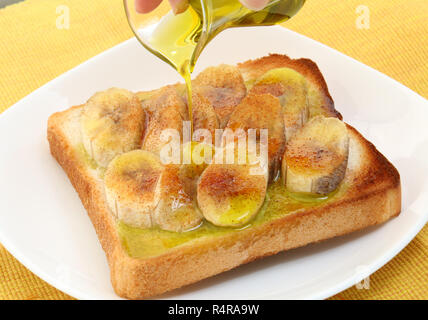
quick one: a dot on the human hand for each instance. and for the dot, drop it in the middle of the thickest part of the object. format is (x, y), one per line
(145, 6)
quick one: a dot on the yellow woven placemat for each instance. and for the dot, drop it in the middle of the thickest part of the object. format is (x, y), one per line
(33, 51)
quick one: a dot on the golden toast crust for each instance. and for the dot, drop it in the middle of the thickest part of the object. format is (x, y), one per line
(373, 196)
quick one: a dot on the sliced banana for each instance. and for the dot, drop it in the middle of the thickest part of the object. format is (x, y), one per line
(166, 110)
(230, 195)
(177, 210)
(316, 156)
(112, 122)
(204, 116)
(132, 186)
(224, 88)
(262, 111)
(291, 88)
(154, 102)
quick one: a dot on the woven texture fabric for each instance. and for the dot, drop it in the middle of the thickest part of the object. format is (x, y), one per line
(33, 51)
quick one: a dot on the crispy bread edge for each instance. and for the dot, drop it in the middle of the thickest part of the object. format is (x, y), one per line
(373, 198)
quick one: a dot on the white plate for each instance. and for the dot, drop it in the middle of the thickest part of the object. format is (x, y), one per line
(44, 225)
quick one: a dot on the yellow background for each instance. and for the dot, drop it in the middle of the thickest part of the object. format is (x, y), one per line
(33, 51)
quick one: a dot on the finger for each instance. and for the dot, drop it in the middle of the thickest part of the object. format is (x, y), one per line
(145, 6)
(255, 4)
(179, 6)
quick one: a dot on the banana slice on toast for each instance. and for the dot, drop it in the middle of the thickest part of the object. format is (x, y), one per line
(316, 156)
(155, 101)
(177, 210)
(224, 88)
(112, 122)
(132, 186)
(231, 194)
(262, 111)
(291, 88)
(166, 110)
(204, 115)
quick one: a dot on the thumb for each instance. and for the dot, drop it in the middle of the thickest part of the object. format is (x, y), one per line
(179, 6)
(145, 6)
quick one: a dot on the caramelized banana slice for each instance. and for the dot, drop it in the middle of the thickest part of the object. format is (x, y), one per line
(132, 187)
(291, 88)
(230, 195)
(112, 122)
(262, 111)
(316, 156)
(166, 110)
(204, 116)
(154, 102)
(177, 210)
(224, 88)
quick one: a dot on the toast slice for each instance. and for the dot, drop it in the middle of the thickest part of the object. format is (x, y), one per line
(371, 194)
